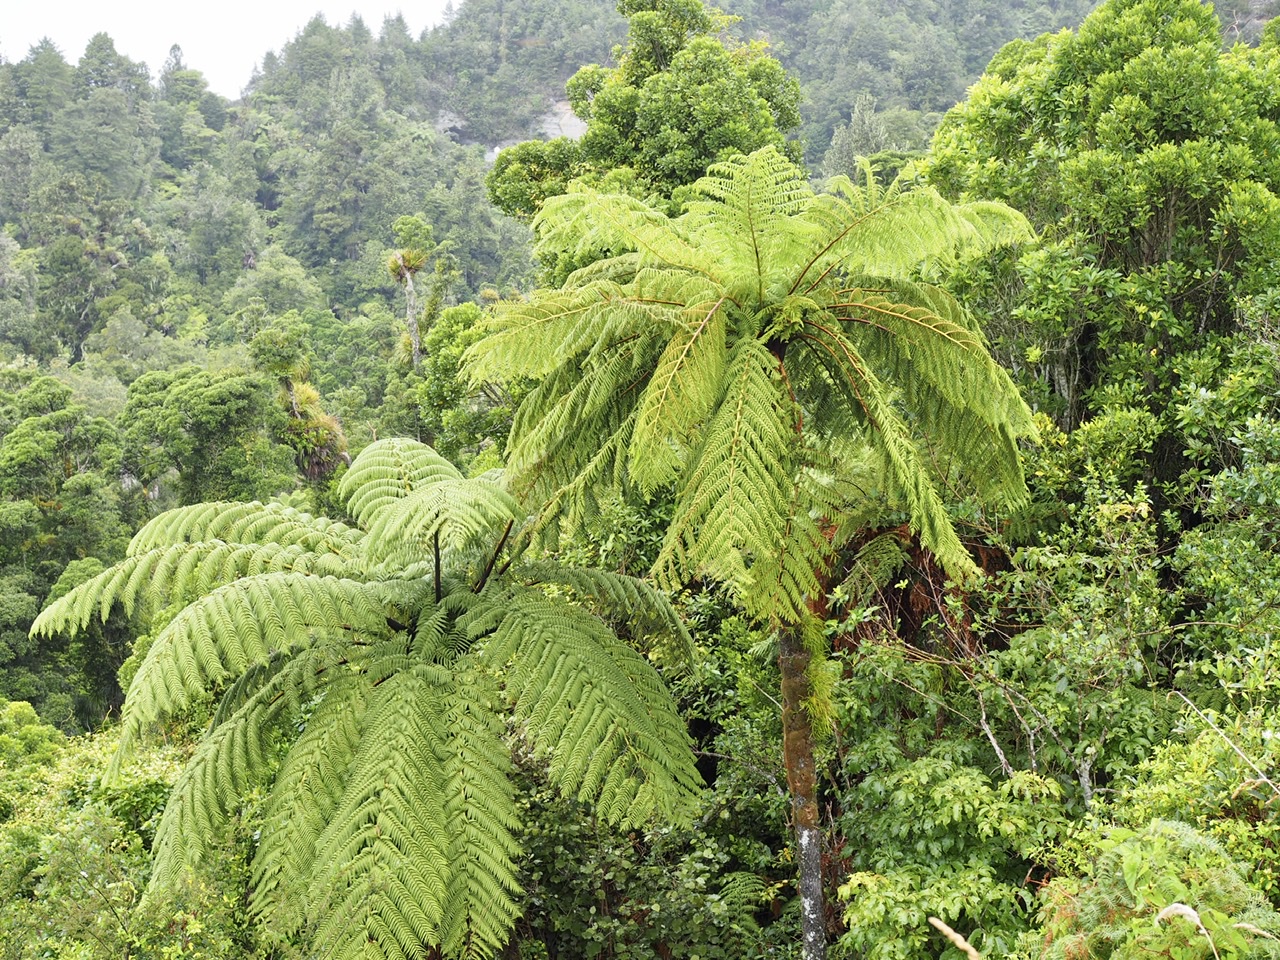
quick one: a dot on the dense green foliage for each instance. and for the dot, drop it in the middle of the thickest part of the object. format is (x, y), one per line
(358, 670)
(452, 716)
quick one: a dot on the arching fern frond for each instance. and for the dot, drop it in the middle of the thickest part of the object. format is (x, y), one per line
(589, 223)
(458, 511)
(237, 755)
(387, 471)
(480, 809)
(243, 523)
(645, 610)
(594, 707)
(236, 626)
(307, 789)
(382, 862)
(180, 572)
(731, 505)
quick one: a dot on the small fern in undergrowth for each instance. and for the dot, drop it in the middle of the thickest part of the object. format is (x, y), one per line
(1166, 890)
(390, 658)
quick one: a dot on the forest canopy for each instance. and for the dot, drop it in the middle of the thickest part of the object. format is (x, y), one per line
(787, 480)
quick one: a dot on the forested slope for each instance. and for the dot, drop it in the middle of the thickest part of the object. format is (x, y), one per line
(959, 491)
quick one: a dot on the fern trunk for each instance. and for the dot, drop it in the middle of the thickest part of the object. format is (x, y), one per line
(411, 318)
(797, 757)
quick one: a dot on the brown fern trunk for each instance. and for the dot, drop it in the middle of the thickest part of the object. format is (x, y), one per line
(797, 757)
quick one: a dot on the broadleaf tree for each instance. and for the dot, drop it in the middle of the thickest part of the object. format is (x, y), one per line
(368, 679)
(742, 354)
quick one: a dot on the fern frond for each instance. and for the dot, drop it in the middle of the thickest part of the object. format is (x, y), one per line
(646, 610)
(598, 401)
(751, 199)
(731, 504)
(236, 626)
(456, 510)
(682, 390)
(178, 573)
(595, 707)
(480, 809)
(243, 523)
(590, 223)
(383, 860)
(387, 471)
(957, 395)
(891, 443)
(789, 573)
(307, 790)
(874, 567)
(238, 754)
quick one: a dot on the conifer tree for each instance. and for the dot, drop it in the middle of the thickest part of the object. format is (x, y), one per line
(745, 353)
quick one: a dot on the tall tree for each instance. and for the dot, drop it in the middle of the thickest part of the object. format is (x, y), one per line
(390, 658)
(738, 353)
(413, 235)
(679, 99)
(1146, 154)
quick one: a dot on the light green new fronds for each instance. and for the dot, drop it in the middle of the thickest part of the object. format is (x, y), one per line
(366, 680)
(722, 351)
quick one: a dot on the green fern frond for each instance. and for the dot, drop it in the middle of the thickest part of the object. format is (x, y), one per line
(457, 511)
(550, 453)
(237, 755)
(589, 223)
(243, 523)
(646, 610)
(619, 269)
(236, 626)
(383, 861)
(387, 471)
(787, 574)
(731, 505)
(479, 907)
(306, 791)
(595, 708)
(874, 567)
(752, 199)
(681, 392)
(178, 573)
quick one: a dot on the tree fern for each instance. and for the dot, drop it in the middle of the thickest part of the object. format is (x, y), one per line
(366, 678)
(706, 349)
(729, 352)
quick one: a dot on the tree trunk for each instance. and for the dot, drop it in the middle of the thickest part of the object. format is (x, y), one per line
(797, 757)
(411, 318)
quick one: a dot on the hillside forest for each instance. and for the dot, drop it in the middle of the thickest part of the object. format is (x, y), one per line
(789, 480)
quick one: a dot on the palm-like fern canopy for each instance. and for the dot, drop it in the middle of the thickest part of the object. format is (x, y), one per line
(730, 350)
(395, 660)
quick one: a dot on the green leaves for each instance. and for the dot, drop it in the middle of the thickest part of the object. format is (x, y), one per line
(722, 350)
(373, 706)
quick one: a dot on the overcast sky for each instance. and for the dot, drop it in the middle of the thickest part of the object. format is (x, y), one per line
(224, 39)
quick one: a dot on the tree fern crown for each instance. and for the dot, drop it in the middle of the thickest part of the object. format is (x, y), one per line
(721, 351)
(372, 677)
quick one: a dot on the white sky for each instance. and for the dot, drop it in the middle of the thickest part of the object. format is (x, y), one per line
(224, 39)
